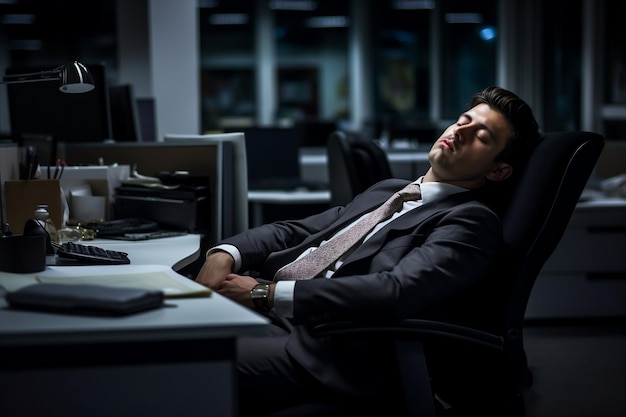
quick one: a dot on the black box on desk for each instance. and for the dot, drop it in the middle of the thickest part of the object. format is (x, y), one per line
(186, 208)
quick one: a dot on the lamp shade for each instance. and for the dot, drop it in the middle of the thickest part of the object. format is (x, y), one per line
(74, 78)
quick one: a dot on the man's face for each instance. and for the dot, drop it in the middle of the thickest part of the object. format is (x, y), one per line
(465, 152)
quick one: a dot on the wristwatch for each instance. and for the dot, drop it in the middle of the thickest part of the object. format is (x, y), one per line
(260, 295)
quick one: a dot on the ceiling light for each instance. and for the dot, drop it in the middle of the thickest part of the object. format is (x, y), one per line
(464, 18)
(327, 22)
(413, 4)
(304, 5)
(228, 19)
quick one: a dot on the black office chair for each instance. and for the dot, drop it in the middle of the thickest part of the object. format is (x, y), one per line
(353, 165)
(472, 362)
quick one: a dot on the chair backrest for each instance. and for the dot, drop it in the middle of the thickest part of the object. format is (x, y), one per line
(353, 165)
(541, 207)
(534, 220)
(235, 211)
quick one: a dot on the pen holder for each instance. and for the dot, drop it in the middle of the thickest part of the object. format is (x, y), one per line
(23, 197)
(23, 254)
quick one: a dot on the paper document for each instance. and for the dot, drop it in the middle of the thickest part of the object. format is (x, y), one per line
(172, 284)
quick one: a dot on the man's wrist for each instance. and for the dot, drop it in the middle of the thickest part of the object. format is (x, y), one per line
(229, 249)
(263, 296)
(222, 258)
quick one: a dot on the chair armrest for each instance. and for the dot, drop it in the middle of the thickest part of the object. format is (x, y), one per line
(412, 329)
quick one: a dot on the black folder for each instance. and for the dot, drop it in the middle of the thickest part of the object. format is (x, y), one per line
(84, 299)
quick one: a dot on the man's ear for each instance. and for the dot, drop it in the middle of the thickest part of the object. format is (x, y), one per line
(500, 172)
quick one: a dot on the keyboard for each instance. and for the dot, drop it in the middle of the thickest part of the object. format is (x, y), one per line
(90, 254)
(122, 227)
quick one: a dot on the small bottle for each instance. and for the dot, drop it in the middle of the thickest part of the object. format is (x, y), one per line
(42, 216)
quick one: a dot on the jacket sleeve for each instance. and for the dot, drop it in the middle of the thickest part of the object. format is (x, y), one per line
(256, 245)
(268, 247)
(442, 256)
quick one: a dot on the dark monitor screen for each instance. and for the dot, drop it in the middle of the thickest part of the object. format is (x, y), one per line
(146, 117)
(124, 123)
(39, 108)
(273, 157)
(314, 133)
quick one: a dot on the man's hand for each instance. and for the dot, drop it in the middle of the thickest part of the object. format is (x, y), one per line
(216, 268)
(237, 288)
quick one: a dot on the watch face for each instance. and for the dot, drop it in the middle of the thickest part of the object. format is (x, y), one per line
(259, 292)
(260, 295)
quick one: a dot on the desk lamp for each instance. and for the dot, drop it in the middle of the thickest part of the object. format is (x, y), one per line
(74, 78)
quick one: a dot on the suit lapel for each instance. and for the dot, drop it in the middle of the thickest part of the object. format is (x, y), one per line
(365, 204)
(368, 202)
(406, 222)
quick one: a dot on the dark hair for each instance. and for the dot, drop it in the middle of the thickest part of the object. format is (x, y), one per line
(519, 146)
(525, 128)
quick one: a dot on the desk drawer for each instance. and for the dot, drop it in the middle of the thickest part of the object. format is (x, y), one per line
(557, 296)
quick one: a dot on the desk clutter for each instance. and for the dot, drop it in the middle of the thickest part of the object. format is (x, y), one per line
(171, 209)
(175, 201)
(109, 195)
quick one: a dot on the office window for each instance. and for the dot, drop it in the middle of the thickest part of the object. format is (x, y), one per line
(562, 47)
(227, 64)
(402, 46)
(312, 60)
(469, 36)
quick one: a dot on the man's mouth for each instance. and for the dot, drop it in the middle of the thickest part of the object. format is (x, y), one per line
(448, 143)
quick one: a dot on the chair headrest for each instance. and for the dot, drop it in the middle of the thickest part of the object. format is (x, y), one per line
(553, 179)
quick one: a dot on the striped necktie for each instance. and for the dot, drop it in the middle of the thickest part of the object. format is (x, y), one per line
(317, 261)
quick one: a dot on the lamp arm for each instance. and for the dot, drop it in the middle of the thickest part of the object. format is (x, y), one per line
(33, 76)
(74, 78)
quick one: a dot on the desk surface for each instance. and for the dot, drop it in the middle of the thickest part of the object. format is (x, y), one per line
(289, 197)
(181, 319)
(177, 252)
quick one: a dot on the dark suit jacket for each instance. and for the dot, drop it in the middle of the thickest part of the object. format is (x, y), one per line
(404, 271)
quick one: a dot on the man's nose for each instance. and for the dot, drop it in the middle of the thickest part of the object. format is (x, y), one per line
(459, 132)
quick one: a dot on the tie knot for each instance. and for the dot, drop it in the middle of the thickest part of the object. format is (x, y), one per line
(411, 192)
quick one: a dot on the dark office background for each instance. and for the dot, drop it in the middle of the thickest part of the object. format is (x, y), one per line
(424, 58)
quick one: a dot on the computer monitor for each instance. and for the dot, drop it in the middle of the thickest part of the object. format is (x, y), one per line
(273, 162)
(124, 116)
(314, 133)
(146, 117)
(39, 108)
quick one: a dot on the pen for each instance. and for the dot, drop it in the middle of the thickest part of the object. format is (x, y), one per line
(56, 168)
(62, 168)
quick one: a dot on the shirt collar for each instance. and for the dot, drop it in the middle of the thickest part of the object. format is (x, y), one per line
(436, 190)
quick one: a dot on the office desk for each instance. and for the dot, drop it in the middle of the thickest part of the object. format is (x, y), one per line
(177, 252)
(586, 275)
(406, 162)
(306, 198)
(176, 360)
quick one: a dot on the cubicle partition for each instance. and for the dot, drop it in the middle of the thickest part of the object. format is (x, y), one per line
(211, 160)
